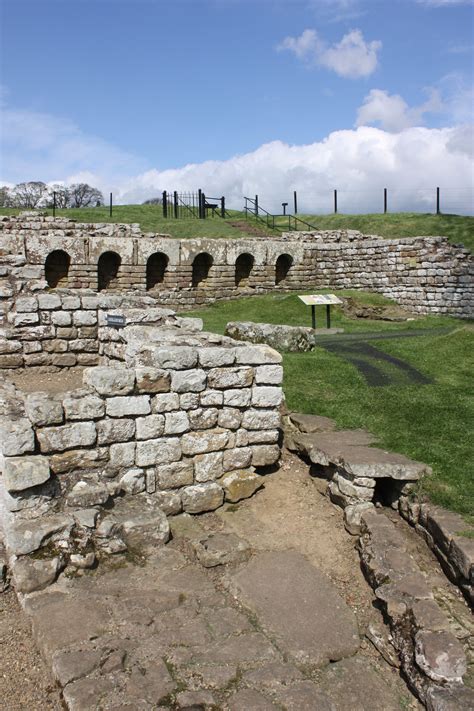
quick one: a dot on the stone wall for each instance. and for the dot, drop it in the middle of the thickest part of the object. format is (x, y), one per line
(178, 418)
(425, 274)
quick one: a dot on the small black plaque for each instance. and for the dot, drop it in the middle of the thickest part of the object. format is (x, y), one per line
(115, 320)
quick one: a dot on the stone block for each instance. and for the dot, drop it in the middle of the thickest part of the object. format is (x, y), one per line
(269, 375)
(25, 537)
(78, 459)
(115, 430)
(257, 355)
(440, 656)
(189, 401)
(26, 319)
(158, 451)
(176, 423)
(21, 473)
(240, 485)
(211, 398)
(83, 405)
(43, 410)
(122, 454)
(240, 397)
(229, 418)
(172, 357)
(167, 402)
(202, 497)
(169, 502)
(49, 302)
(174, 475)
(77, 434)
(223, 378)
(16, 436)
(216, 357)
(237, 458)
(261, 419)
(267, 396)
(31, 575)
(264, 455)
(61, 318)
(110, 381)
(23, 304)
(150, 427)
(208, 467)
(203, 418)
(153, 380)
(205, 441)
(188, 381)
(133, 481)
(85, 318)
(85, 494)
(125, 405)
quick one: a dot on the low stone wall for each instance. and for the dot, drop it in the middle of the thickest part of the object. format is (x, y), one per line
(424, 274)
(294, 339)
(180, 419)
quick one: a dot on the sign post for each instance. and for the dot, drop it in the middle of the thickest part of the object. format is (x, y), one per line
(314, 300)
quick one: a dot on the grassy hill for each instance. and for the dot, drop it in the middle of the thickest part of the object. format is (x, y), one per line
(458, 229)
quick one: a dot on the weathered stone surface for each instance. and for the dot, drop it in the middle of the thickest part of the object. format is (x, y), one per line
(203, 418)
(72, 665)
(237, 458)
(43, 410)
(257, 355)
(133, 481)
(221, 548)
(246, 699)
(304, 696)
(16, 437)
(224, 378)
(78, 459)
(153, 380)
(189, 700)
(352, 517)
(166, 402)
(283, 338)
(189, 401)
(269, 375)
(440, 655)
(208, 467)
(84, 694)
(82, 405)
(264, 455)
(204, 441)
(158, 451)
(377, 634)
(354, 684)
(169, 502)
(309, 620)
(216, 357)
(202, 497)
(261, 419)
(229, 418)
(174, 358)
(240, 485)
(85, 494)
(30, 575)
(237, 397)
(142, 522)
(174, 475)
(176, 423)
(110, 381)
(24, 537)
(128, 405)
(450, 698)
(21, 473)
(112, 430)
(77, 434)
(266, 396)
(312, 423)
(443, 526)
(122, 454)
(150, 427)
(188, 381)
(461, 553)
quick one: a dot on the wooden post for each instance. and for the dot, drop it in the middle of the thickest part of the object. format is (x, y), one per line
(175, 200)
(165, 205)
(437, 202)
(335, 202)
(110, 205)
(385, 201)
(222, 206)
(295, 202)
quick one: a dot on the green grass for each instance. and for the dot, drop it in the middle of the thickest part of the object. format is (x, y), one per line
(433, 423)
(458, 229)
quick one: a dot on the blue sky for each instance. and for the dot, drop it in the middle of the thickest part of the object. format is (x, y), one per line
(129, 93)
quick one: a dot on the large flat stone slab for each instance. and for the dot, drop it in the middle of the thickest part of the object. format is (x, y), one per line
(298, 607)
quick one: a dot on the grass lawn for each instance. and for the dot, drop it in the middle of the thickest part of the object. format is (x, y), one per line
(457, 228)
(431, 422)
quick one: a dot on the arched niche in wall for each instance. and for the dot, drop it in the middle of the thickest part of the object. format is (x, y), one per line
(156, 266)
(201, 267)
(282, 267)
(56, 268)
(107, 270)
(243, 267)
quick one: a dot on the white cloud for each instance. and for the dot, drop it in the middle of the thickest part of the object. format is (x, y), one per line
(392, 113)
(39, 146)
(352, 57)
(357, 162)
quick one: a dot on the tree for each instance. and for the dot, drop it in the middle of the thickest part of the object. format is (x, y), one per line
(84, 195)
(153, 201)
(62, 195)
(29, 194)
(5, 196)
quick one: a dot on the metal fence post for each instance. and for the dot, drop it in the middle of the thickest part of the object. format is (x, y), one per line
(165, 204)
(110, 205)
(385, 201)
(295, 202)
(54, 203)
(335, 202)
(256, 205)
(437, 202)
(175, 200)
(222, 206)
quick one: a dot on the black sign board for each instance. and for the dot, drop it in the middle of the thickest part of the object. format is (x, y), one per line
(115, 320)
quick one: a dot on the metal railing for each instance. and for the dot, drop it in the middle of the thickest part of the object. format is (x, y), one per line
(253, 209)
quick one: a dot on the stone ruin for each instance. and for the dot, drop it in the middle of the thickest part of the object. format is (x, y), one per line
(170, 419)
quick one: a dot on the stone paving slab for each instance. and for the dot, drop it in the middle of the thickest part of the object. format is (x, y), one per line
(298, 607)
